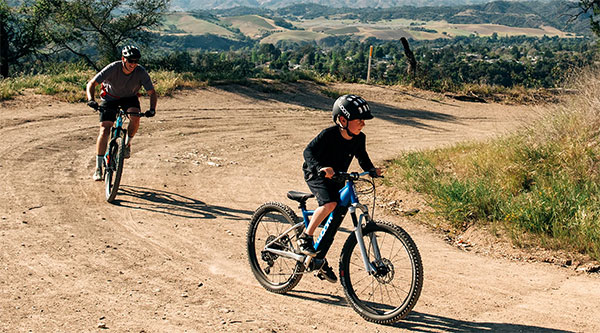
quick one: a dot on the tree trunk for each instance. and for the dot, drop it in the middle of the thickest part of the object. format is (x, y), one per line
(410, 57)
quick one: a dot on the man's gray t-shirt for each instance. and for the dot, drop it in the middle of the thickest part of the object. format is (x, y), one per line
(116, 84)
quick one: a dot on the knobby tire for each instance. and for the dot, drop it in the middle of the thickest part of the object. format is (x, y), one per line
(275, 273)
(113, 172)
(389, 295)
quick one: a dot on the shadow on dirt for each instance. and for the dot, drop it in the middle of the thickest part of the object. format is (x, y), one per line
(170, 203)
(318, 297)
(422, 322)
(310, 95)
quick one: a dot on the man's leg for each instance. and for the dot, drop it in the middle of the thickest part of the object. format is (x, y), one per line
(101, 143)
(134, 123)
(132, 128)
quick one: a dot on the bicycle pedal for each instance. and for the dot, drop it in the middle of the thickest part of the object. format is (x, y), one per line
(313, 264)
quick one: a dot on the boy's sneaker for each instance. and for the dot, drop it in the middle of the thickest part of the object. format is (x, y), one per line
(305, 242)
(127, 151)
(326, 273)
(97, 174)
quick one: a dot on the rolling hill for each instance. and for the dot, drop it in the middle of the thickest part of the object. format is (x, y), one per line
(187, 5)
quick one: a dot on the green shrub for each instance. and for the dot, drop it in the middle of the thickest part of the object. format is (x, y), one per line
(543, 181)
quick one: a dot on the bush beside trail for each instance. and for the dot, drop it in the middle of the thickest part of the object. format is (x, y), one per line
(68, 83)
(541, 185)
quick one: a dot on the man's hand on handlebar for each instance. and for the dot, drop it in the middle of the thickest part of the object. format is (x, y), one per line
(150, 113)
(93, 104)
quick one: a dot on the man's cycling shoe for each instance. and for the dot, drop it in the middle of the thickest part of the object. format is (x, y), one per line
(127, 151)
(97, 175)
(305, 243)
(326, 273)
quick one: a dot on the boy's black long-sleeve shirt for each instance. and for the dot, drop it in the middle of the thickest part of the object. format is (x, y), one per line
(330, 149)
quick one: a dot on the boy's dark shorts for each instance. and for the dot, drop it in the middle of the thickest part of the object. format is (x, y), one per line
(110, 114)
(325, 190)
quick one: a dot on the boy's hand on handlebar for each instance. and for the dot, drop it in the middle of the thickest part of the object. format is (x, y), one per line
(93, 104)
(328, 172)
(150, 113)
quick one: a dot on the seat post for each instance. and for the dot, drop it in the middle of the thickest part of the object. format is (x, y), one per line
(302, 205)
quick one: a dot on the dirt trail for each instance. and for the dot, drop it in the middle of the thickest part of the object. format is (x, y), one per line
(170, 255)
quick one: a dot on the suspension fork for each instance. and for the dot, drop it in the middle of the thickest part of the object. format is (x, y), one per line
(361, 244)
(114, 134)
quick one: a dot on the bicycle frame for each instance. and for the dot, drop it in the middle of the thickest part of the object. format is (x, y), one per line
(348, 203)
(115, 132)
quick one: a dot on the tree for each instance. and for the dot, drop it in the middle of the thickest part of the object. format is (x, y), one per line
(20, 32)
(593, 8)
(90, 28)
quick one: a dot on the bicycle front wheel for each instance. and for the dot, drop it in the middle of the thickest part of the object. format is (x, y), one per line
(267, 229)
(114, 169)
(390, 293)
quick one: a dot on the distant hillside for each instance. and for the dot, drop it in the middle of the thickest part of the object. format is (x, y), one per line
(308, 23)
(188, 5)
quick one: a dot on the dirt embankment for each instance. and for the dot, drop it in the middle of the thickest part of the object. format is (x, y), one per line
(170, 255)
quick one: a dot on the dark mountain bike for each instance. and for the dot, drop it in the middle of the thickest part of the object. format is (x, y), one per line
(380, 266)
(115, 153)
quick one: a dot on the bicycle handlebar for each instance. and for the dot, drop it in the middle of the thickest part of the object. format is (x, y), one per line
(102, 108)
(351, 175)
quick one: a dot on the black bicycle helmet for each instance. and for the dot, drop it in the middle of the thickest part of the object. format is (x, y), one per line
(131, 52)
(351, 107)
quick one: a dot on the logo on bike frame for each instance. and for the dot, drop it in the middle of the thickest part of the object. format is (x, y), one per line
(325, 228)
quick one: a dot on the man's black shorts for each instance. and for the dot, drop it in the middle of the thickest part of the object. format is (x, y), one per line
(325, 190)
(110, 114)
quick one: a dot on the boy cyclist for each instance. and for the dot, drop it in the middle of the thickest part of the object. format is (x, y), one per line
(331, 151)
(120, 83)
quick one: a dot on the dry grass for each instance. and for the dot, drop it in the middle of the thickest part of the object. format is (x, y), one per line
(542, 184)
(70, 85)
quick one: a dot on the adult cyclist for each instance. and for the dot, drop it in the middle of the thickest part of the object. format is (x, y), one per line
(120, 83)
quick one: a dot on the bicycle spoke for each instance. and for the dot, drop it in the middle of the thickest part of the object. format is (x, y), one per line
(359, 281)
(398, 288)
(368, 285)
(275, 272)
(385, 294)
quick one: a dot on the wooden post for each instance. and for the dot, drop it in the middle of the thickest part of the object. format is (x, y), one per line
(410, 57)
(369, 66)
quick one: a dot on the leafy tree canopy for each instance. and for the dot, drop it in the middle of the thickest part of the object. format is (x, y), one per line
(79, 25)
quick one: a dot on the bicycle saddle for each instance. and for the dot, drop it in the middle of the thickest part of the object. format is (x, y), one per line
(299, 196)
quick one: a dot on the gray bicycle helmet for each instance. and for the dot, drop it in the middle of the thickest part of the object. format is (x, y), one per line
(351, 107)
(131, 52)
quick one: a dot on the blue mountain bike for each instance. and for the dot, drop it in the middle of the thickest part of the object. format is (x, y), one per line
(115, 153)
(380, 266)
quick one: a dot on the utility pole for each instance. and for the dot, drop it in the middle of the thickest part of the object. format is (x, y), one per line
(369, 66)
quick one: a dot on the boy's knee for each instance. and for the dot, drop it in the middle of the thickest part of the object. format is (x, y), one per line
(330, 206)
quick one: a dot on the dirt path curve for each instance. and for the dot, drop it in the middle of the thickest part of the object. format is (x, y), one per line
(170, 255)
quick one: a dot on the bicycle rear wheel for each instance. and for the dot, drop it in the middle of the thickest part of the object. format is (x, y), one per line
(392, 291)
(275, 273)
(114, 167)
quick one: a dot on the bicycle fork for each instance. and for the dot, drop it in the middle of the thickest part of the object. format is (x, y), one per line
(361, 244)
(112, 146)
